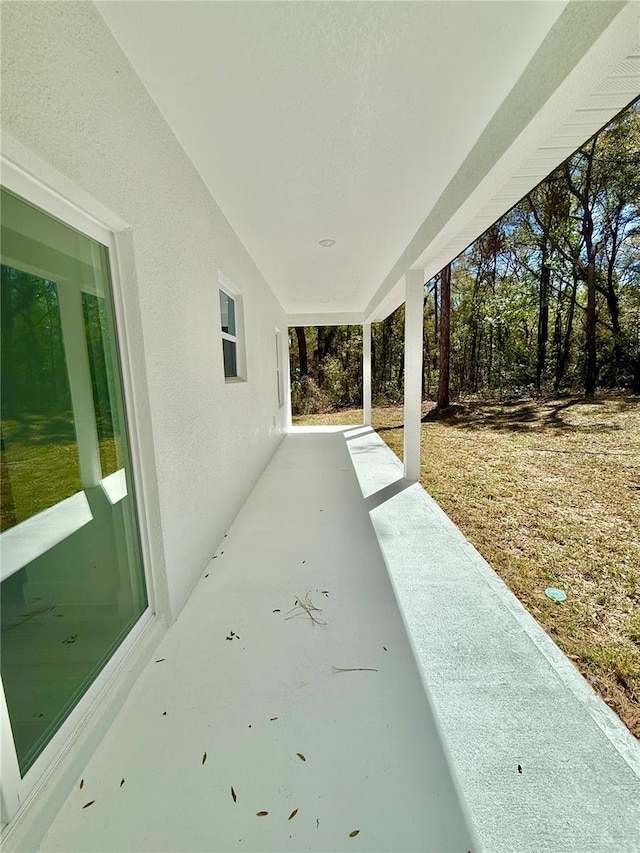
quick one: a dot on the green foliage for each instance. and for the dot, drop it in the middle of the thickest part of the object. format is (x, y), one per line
(334, 379)
(307, 398)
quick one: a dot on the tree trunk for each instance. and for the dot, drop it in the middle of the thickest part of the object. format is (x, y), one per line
(435, 311)
(587, 203)
(543, 321)
(613, 303)
(490, 359)
(592, 372)
(564, 354)
(557, 332)
(302, 351)
(445, 338)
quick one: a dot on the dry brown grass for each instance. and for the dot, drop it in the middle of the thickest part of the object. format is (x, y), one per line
(549, 493)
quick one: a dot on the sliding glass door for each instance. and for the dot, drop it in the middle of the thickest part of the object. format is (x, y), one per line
(72, 576)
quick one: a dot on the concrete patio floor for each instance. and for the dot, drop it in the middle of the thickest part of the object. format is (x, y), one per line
(257, 702)
(539, 762)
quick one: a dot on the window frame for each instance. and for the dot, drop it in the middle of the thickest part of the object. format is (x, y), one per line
(238, 339)
(108, 230)
(279, 369)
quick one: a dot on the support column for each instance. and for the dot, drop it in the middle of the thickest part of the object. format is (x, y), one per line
(413, 342)
(366, 372)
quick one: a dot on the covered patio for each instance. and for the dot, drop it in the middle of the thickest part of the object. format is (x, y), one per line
(457, 726)
(244, 168)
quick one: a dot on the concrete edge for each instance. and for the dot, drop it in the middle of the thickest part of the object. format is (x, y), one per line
(605, 718)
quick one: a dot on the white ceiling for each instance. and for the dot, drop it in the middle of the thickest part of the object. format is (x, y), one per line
(340, 120)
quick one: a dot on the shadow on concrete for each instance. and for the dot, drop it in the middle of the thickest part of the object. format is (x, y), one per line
(356, 432)
(388, 492)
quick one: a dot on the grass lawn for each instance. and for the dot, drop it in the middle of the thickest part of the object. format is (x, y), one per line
(549, 493)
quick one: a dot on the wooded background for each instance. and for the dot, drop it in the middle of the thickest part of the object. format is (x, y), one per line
(546, 301)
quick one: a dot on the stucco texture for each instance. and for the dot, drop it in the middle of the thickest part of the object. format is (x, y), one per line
(70, 96)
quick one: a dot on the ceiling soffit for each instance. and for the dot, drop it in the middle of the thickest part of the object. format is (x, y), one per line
(399, 130)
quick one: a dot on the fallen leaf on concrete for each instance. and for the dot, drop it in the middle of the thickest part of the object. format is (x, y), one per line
(261, 814)
(90, 803)
(81, 784)
(233, 794)
(301, 756)
(204, 757)
(121, 782)
(293, 814)
(354, 833)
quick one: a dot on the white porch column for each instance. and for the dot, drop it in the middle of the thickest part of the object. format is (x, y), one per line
(77, 355)
(413, 332)
(366, 372)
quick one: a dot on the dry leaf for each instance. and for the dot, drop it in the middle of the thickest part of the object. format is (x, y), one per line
(160, 660)
(233, 794)
(81, 784)
(354, 833)
(261, 814)
(293, 814)
(273, 718)
(90, 803)
(301, 756)
(121, 782)
(204, 757)
(277, 610)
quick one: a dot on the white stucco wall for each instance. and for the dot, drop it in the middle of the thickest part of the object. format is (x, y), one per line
(71, 98)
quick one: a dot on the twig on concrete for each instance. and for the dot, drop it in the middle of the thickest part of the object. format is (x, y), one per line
(306, 606)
